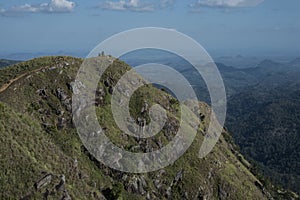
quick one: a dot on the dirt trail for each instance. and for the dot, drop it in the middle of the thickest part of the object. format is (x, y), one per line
(10, 82)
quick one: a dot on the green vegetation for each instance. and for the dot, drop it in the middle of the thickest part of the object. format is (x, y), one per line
(39, 140)
(268, 130)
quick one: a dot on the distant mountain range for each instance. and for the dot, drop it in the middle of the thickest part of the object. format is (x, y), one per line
(31, 55)
(239, 61)
(5, 62)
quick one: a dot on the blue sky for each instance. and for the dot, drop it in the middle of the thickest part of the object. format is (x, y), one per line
(224, 27)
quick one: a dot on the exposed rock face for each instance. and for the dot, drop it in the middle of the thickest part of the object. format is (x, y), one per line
(61, 184)
(75, 86)
(61, 122)
(100, 95)
(47, 187)
(42, 93)
(222, 193)
(64, 98)
(46, 180)
(178, 177)
(61, 94)
(66, 196)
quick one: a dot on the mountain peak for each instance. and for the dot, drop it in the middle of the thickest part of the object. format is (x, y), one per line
(50, 161)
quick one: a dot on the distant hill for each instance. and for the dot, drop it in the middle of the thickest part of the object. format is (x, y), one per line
(43, 157)
(239, 61)
(5, 63)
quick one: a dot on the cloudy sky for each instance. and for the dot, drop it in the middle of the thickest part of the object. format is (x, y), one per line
(222, 26)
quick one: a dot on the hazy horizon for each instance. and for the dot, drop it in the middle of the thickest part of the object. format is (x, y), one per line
(224, 28)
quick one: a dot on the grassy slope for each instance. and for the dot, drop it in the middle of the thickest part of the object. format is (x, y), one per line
(31, 143)
(27, 153)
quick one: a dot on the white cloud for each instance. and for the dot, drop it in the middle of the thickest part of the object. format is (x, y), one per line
(226, 3)
(61, 6)
(166, 3)
(132, 5)
(54, 6)
(136, 5)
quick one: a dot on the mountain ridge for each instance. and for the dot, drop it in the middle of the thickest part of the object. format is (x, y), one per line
(220, 175)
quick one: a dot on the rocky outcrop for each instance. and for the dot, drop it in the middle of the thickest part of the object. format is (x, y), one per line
(46, 180)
